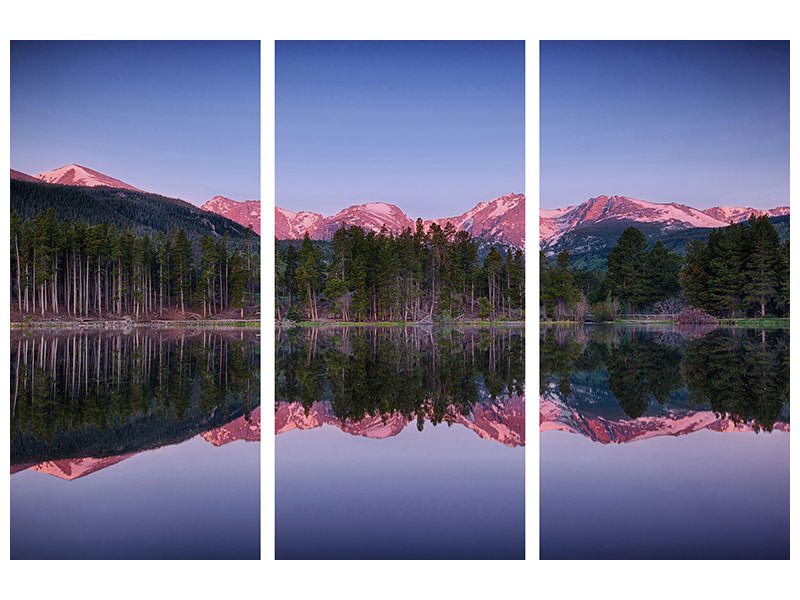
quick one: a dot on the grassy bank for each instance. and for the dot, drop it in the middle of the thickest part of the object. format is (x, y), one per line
(765, 322)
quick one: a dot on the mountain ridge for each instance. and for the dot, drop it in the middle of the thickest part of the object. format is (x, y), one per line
(500, 220)
(555, 223)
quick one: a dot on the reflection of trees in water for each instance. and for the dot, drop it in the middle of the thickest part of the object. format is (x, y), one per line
(741, 374)
(415, 372)
(88, 384)
(641, 370)
(559, 351)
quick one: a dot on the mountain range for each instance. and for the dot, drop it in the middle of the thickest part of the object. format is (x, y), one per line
(501, 221)
(246, 213)
(590, 230)
(555, 223)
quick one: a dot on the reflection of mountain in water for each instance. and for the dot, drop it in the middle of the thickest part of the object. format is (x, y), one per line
(83, 401)
(373, 381)
(616, 384)
(502, 421)
(246, 429)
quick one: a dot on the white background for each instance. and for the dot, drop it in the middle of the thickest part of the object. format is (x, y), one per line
(411, 19)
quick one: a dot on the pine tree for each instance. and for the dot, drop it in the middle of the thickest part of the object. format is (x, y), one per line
(182, 262)
(763, 264)
(627, 277)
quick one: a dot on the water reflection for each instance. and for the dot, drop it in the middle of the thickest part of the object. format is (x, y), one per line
(379, 427)
(674, 493)
(80, 394)
(355, 375)
(741, 375)
(136, 429)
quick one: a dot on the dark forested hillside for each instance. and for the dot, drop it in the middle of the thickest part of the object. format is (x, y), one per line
(139, 212)
(590, 246)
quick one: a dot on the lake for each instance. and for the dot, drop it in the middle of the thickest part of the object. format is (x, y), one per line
(400, 443)
(662, 442)
(135, 444)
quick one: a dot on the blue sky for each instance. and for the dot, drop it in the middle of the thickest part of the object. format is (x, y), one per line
(433, 127)
(698, 123)
(176, 118)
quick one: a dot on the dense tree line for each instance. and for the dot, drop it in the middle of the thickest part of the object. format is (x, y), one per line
(412, 276)
(73, 269)
(743, 269)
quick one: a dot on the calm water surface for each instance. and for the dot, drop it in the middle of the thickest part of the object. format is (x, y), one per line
(136, 444)
(659, 442)
(400, 443)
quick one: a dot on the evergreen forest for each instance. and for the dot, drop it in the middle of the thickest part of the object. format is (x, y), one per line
(413, 276)
(739, 271)
(70, 269)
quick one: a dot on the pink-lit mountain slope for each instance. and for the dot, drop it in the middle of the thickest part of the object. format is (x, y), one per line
(501, 220)
(247, 213)
(554, 223)
(75, 468)
(554, 416)
(82, 176)
(20, 176)
(293, 226)
(736, 214)
(248, 430)
(502, 421)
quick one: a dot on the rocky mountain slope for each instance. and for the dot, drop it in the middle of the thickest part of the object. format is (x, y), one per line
(247, 213)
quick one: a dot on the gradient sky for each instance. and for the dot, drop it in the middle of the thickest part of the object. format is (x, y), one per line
(175, 118)
(433, 127)
(698, 123)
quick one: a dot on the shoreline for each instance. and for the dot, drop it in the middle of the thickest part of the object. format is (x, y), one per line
(745, 322)
(119, 324)
(291, 324)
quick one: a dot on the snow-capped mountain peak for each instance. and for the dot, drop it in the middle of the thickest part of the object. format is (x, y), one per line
(82, 176)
